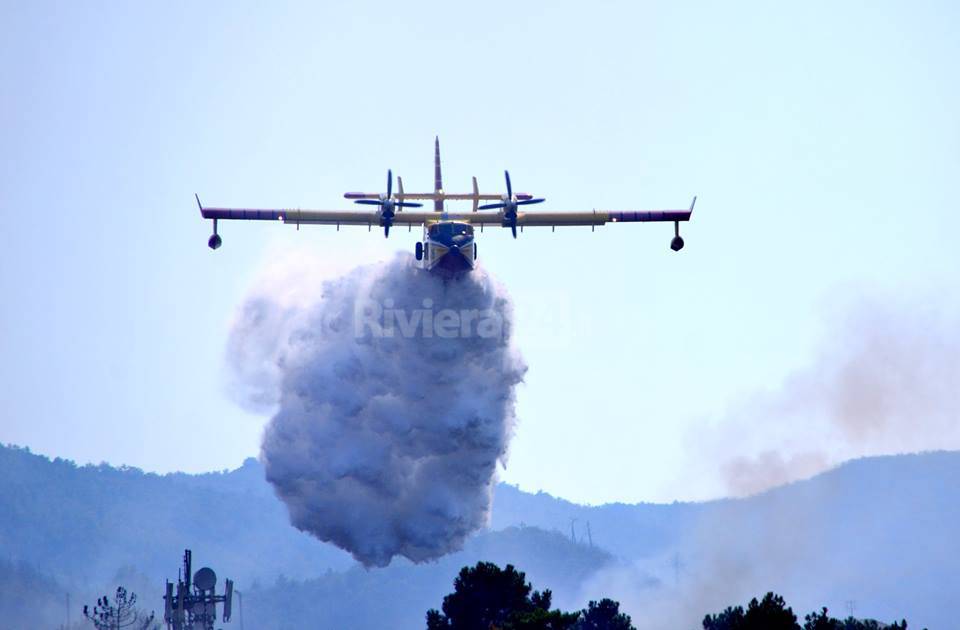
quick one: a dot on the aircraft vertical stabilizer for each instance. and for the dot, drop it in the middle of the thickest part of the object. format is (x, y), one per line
(437, 177)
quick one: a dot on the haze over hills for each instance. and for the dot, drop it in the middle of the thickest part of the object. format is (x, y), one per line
(876, 534)
(879, 533)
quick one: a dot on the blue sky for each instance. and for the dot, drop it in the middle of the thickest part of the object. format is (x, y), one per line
(823, 140)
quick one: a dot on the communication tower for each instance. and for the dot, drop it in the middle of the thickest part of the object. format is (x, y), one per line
(191, 604)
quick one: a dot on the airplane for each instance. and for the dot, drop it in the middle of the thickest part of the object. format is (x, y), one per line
(448, 245)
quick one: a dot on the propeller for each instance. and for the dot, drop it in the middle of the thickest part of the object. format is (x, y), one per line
(510, 206)
(388, 205)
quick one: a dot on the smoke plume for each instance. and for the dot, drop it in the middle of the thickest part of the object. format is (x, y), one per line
(886, 380)
(393, 392)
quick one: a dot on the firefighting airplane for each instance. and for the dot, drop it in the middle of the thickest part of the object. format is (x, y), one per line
(448, 245)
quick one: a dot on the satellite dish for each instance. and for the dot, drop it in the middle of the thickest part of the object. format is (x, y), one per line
(205, 579)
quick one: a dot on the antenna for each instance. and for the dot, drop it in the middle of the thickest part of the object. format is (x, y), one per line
(205, 579)
(851, 605)
(168, 601)
(228, 602)
(194, 606)
(187, 560)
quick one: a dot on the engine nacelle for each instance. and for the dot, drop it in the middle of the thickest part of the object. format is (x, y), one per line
(215, 241)
(677, 243)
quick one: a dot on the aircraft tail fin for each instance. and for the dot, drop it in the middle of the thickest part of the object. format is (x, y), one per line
(437, 176)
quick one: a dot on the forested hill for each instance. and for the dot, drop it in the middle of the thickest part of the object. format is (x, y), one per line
(878, 534)
(83, 523)
(893, 497)
(878, 531)
(85, 529)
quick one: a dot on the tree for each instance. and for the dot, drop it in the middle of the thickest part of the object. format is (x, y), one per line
(119, 614)
(542, 619)
(603, 615)
(771, 613)
(729, 619)
(487, 596)
(821, 621)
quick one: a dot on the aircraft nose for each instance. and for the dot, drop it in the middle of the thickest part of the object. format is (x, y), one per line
(454, 260)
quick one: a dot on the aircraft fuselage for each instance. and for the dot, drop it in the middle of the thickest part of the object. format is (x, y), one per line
(448, 247)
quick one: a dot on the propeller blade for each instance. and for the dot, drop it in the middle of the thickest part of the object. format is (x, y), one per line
(513, 228)
(409, 204)
(369, 202)
(386, 231)
(506, 174)
(389, 182)
(527, 202)
(491, 206)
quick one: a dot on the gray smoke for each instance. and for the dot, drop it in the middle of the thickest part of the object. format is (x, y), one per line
(886, 380)
(394, 398)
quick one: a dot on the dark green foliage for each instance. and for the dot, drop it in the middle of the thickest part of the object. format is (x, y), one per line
(729, 619)
(603, 615)
(771, 613)
(542, 619)
(486, 595)
(823, 621)
(436, 620)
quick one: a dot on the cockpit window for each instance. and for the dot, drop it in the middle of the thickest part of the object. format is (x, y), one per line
(441, 230)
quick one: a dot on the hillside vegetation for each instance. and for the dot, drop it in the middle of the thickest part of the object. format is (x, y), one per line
(878, 533)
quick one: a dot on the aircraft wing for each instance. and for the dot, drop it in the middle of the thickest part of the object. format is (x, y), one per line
(601, 217)
(297, 216)
(348, 217)
(372, 217)
(592, 218)
(292, 215)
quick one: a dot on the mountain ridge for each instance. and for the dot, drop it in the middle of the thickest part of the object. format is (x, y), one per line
(891, 518)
